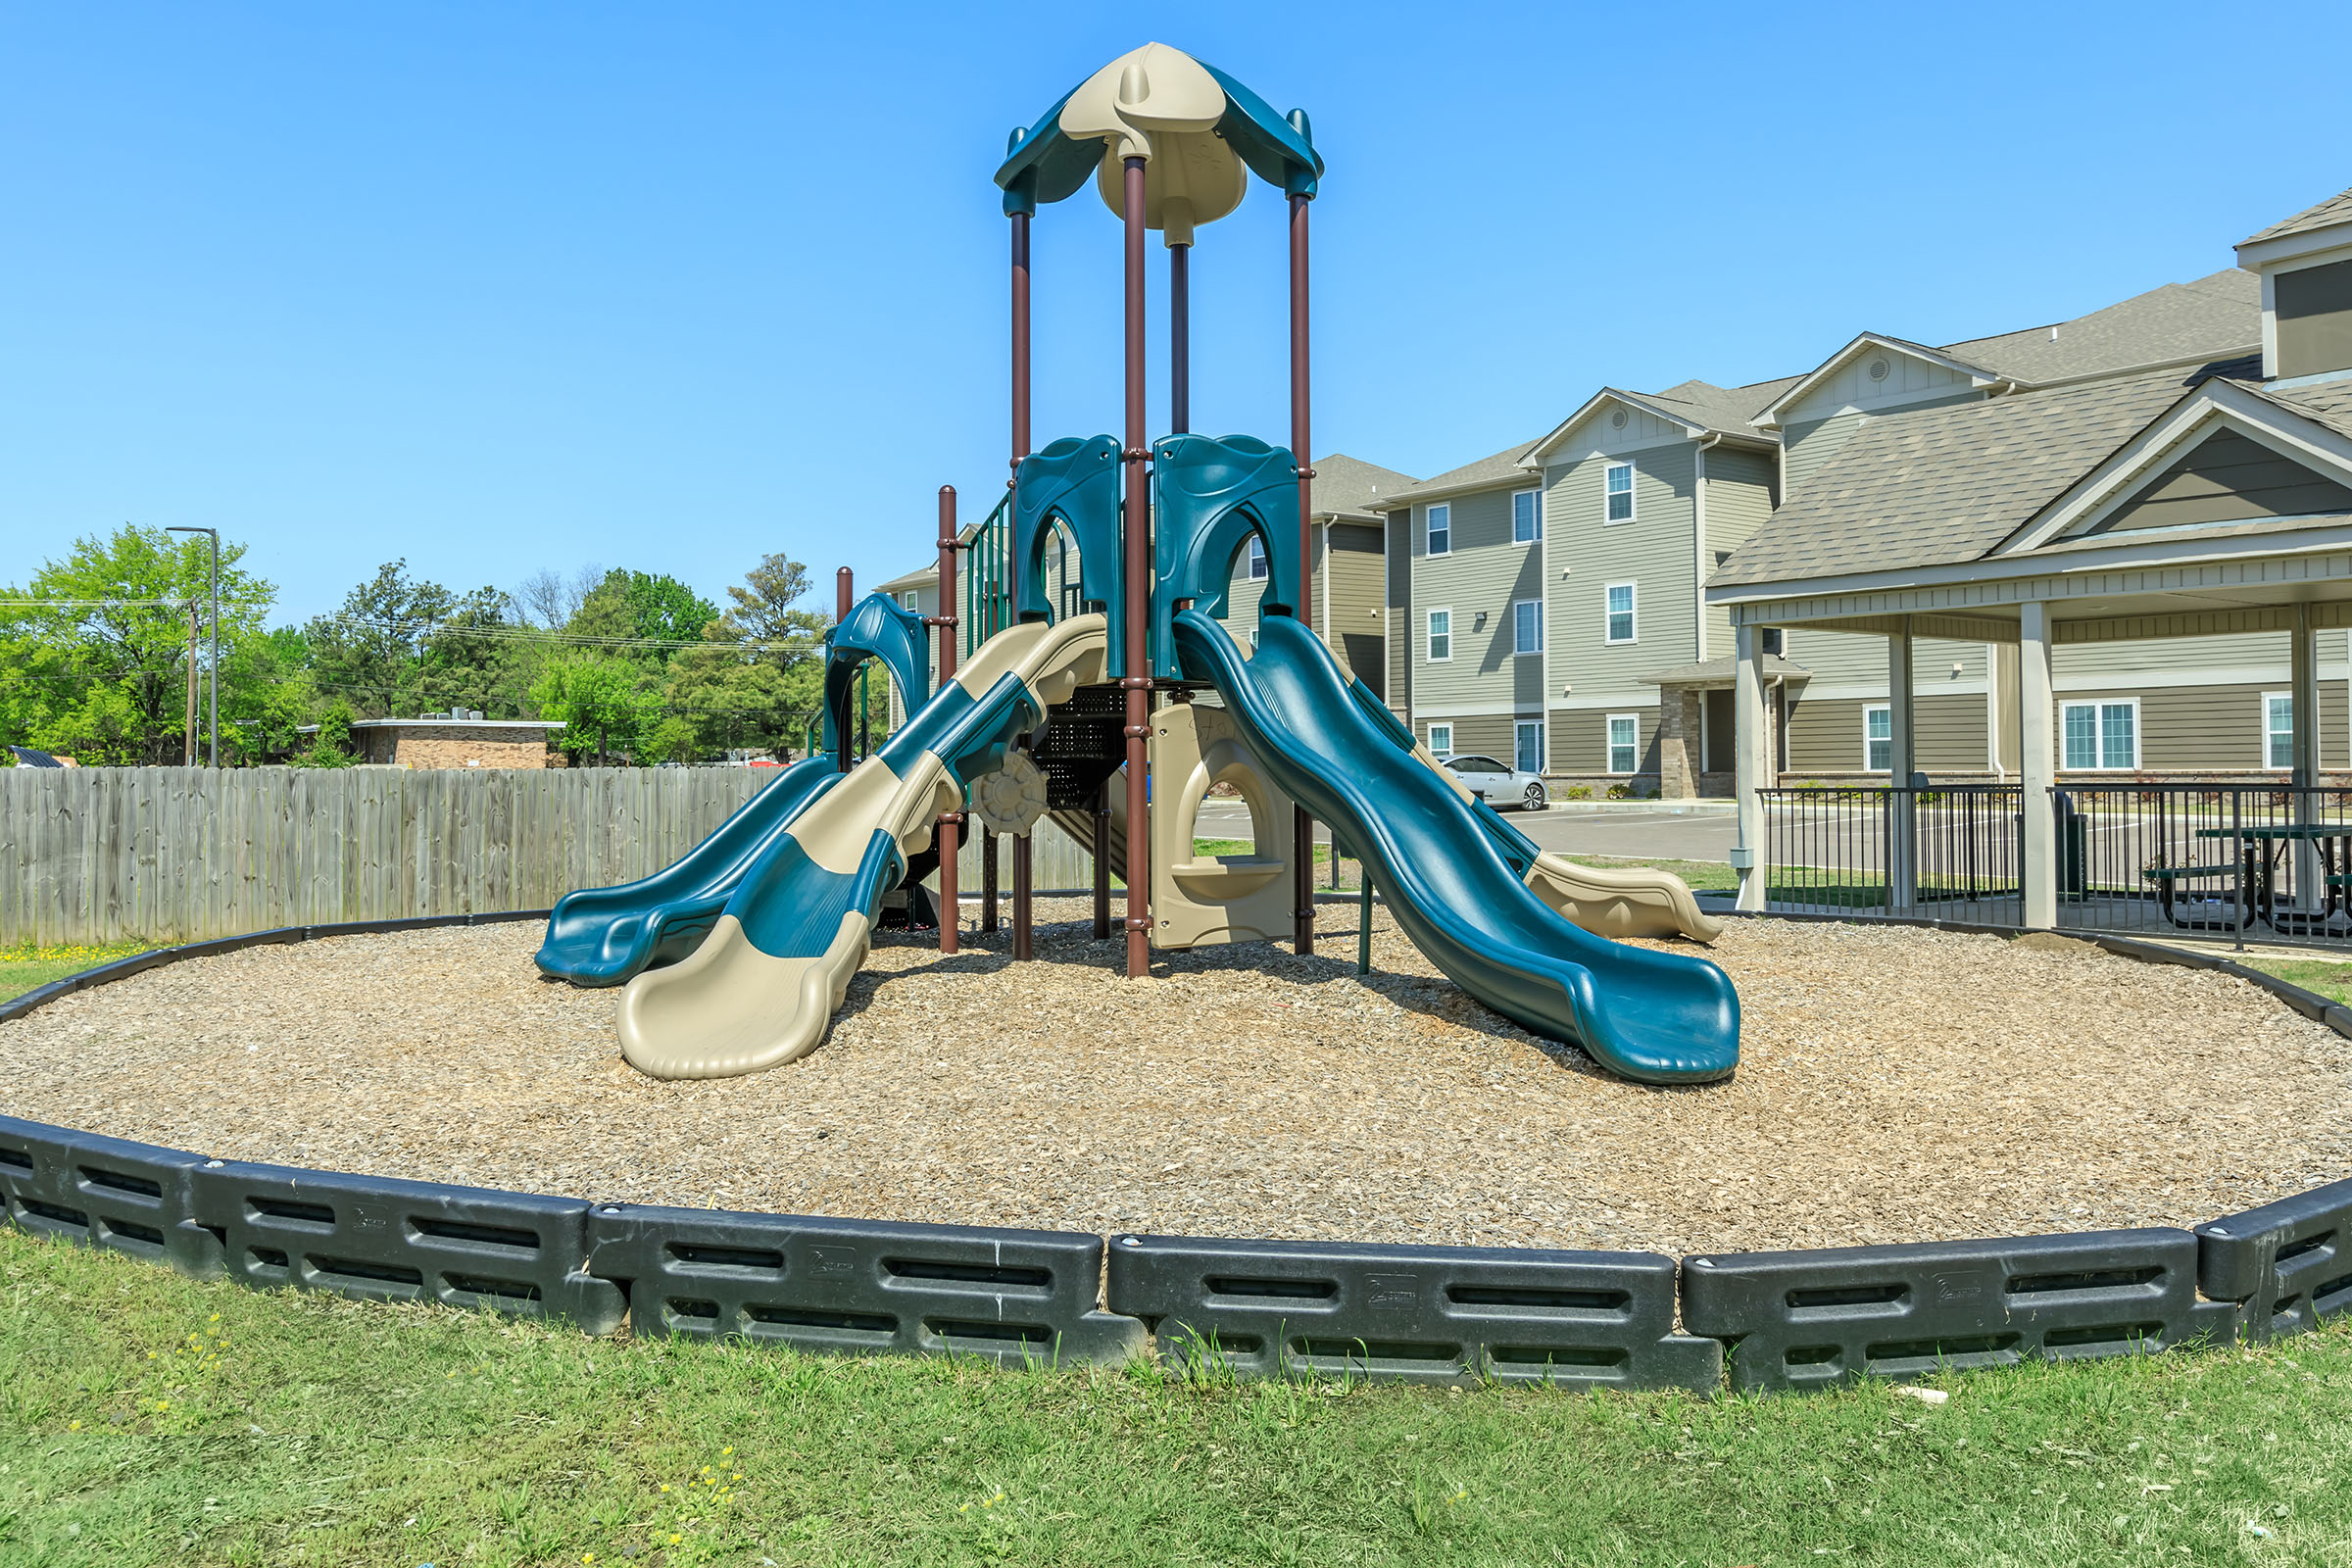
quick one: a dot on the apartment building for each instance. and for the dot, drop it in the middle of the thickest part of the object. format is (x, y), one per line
(1556, 591)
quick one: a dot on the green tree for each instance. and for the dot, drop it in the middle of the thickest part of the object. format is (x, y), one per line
(369, 652)
(604, 703)
(758, 681)
(94, 652)
(332, 746)
(643, 604)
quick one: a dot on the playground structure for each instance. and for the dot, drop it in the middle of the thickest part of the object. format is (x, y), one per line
(735, 960)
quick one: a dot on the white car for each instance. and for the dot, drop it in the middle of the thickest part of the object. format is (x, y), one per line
(1499, 786)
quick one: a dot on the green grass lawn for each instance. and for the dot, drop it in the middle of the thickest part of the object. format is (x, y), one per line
(147, 1419)
(23, 969)
(2327, 977)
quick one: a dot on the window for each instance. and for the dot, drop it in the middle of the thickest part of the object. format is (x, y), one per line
(1877, 739)
(2278, 729)
(2100, 736)
(1257, 559)
(1528, 740)
(1625, 743)
(1441, 530)
(911, 601)
(1620, 610)
(1527, 516)
(1440, 740)
(1527, 626)
(1441, 636)
(1620, 483)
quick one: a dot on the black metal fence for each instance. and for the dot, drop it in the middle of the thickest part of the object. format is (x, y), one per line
(2263, 862)
(2226, 860)
(1950, 851)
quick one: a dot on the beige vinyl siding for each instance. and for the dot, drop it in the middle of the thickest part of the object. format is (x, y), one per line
(1655, 551)
(2314, 319)
(1353, 571)
(1480, 734)
(2205, 729)
(2228, 477)
(1740, 488)
(1397, 624)
(1828, 736)
(1484, 573)
(1837, 659)
(2183, 729)
(1580, 740)
(2152, 660)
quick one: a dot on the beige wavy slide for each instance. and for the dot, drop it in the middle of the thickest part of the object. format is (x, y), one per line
(1613, 901)
(731, 1008)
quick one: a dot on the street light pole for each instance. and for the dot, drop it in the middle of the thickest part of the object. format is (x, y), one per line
(212, 741)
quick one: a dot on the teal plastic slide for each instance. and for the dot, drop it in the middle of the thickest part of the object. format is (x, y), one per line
(1657, 1017)
(603, 935)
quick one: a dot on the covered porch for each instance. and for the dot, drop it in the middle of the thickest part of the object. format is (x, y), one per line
(2174, 843)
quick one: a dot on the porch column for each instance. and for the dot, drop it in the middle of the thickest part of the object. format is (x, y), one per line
(1903, 822)
(2304, 664)
(2037, 766)
(1752, 763)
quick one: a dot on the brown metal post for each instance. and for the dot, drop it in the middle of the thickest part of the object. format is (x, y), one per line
(1302, 450)
(844, 589)
(1103, 860)
(1180, 339)
(1137, 679)
(950, 912)
(1022, 842)
(988, 882)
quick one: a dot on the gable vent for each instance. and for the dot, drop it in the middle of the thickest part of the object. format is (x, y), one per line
(1879, 370)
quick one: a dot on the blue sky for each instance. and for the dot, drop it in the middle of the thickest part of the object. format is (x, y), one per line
(505, 287)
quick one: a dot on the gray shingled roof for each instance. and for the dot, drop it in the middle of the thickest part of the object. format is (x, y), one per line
(1730, 409)
(1493, 469)
(1350, 484)
(2336, 209)
(2329, 401)
(2214, 315)
(1942, 485)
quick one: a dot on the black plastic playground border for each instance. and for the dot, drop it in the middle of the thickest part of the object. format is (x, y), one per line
(1748, 1321)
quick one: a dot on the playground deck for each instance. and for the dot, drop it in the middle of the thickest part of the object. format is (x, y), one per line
(1896, 1084)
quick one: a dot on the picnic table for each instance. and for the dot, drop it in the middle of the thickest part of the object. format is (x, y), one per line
(2263, 843)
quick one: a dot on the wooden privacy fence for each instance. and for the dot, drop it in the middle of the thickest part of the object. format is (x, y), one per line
(182, 855)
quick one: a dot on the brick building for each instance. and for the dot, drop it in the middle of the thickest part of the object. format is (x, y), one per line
(441, 740)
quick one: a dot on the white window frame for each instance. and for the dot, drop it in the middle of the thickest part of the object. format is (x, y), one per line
(1631, 505)
(1431, 532)
(1429, 635)
(1608, 744)
(1254, 566)
(2098, 707)
(1632, 611)
(2269, 734)
(1535, 605)
(1519, 728)
(1437, 750)
(1869, 740)
(1534, 502)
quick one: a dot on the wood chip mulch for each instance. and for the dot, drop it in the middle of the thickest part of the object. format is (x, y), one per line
(1895, 1085)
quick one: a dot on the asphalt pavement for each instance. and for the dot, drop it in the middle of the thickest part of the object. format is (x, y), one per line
(1636, 835)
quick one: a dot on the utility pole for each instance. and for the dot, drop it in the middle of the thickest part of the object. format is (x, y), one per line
(212, 724)
(187, 734)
